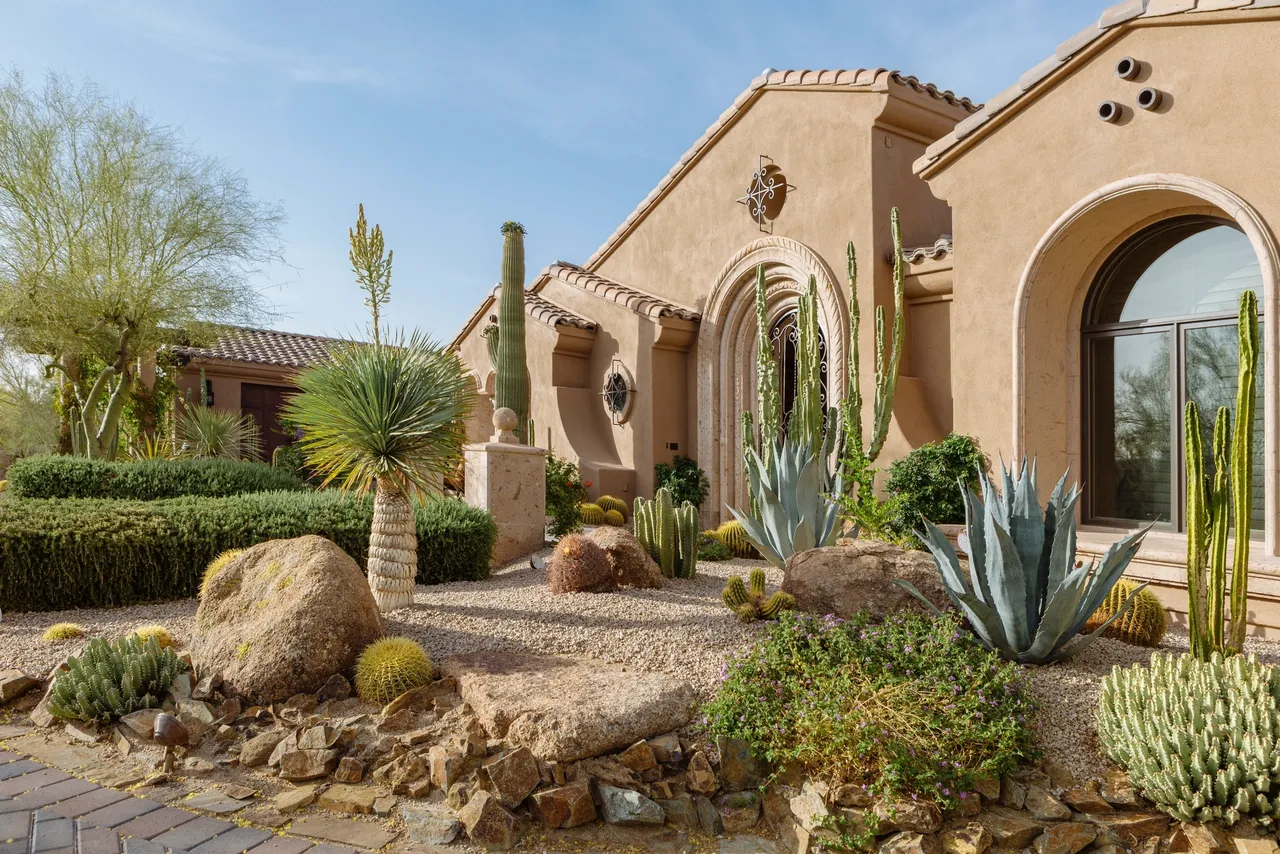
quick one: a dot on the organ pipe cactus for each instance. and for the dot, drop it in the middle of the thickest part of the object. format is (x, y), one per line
(1197, 737)
(1028, 598)
(768, 398)
(512, 382)
(668, 533)
(1214, 503)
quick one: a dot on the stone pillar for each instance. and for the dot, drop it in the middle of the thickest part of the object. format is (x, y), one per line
(510, 481)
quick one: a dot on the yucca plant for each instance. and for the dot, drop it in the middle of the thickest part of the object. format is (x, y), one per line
(390, 417)
(205, 432)
(792, 490)
(1029, 597)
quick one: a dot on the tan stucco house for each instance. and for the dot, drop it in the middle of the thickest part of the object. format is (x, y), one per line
(1078, 247)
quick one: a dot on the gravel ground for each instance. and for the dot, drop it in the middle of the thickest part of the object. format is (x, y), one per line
(683, 629)
(1067, 694)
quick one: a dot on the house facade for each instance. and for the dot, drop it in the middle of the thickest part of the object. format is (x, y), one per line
(1075, 252)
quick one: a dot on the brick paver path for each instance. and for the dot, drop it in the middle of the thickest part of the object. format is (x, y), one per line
(47, 811)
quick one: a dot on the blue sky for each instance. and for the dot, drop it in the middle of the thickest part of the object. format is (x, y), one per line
(445, 119)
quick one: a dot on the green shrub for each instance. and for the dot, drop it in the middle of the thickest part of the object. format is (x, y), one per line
(910, 707)
(923, 484)
(58, 554)
(1198, 738)
(565, 491)
(146, 480)
(684, 480)
(711, 549)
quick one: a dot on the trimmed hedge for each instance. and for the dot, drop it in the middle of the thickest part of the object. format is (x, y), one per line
(80, 553)
(52, 476)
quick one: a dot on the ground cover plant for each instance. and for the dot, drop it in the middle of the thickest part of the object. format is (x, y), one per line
(102, 553)
(565, 491)
(53, 476)
(912, 707)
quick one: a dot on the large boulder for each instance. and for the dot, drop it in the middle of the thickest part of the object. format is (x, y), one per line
(565, 709)
(630, 560)
(282, 618)
(859, 575)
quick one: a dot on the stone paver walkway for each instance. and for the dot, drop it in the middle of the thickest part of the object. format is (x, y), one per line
(48, 811)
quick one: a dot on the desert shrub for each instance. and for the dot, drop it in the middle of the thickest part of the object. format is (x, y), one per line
(389, 667)
(99, 553)
(683, 479)
(711, 549)
(578, 565)
(59, 632)
(911, 707)
(565, 491)
(146, 480)
(1198, 738)
(110, 679)
(157, 631)
(923, 484)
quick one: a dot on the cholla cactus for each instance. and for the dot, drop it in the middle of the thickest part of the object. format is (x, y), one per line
(1198, 737)
(668, 533)
(113, 678)
(749, 602)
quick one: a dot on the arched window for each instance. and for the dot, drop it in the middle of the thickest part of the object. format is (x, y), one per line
(784, 340)
(1160, 329)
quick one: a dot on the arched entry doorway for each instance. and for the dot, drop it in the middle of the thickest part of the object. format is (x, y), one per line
(727, 341)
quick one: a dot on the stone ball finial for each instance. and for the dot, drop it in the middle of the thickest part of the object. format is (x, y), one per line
(504, 426)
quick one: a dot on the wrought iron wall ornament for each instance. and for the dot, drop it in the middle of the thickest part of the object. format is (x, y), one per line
(766, 194)
(619, 392)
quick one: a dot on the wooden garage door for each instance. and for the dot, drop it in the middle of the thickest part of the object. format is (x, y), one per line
(263, 403)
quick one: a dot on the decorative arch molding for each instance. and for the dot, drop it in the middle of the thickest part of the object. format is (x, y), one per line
(1124, 207)
(727, 350)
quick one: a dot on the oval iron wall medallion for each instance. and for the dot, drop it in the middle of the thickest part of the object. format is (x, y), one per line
(619, 392)
(766, 194)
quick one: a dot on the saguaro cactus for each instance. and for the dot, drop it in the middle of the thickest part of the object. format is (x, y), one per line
(1210, 504)
(512, 368)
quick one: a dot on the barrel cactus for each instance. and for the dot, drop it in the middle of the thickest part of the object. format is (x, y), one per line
(614, 519)
(609, 502)
(157, 631)
(1197, 737)
(216, 565)
(668, 533)
(110, 679)
(749, 602)
(1143, 623)
(735, 539)
(590, 514)
(389, 667)
(579, 565)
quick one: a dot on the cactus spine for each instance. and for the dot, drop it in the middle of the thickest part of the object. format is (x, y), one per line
(668, 533)
(1211, 503)
(748, 600)
(512, 386)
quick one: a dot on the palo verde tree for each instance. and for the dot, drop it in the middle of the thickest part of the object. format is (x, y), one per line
(116, 238)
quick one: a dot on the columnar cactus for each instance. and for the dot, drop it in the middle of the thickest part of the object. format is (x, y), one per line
(668, 533)
(768, 398)
(1197, 737)
(806, 421)
(512, 386)
(110, 679)
(1210, 503)
(748, 600)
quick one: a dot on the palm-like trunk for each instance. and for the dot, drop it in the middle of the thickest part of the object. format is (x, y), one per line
(393, 547)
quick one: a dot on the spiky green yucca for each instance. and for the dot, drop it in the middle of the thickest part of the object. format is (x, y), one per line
(590, 514)
(216, 565)
(735, 539)
(1142, 624)
(208, 433)
(389, 417)
(608, 502)
(614, 519)
(748, 599)
(113, 678)
(1197, 737)
(62, 632)
(159, 632)
(389, 667)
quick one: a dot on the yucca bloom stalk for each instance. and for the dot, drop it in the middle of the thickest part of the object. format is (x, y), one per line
(390, 417)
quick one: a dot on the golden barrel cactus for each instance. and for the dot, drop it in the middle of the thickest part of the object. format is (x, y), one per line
(614, 519)
(590, 514)
(215, 566)
(608, 502)
(1143, 624)
(735, 539)
(389, 667)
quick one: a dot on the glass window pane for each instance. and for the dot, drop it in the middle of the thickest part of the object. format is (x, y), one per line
(1211, 362)
(1130, 460)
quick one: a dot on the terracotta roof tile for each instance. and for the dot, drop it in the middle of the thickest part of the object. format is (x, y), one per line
(263, 347)
(1120, 14)
(940, 248)
(633, 298)
(545, 311)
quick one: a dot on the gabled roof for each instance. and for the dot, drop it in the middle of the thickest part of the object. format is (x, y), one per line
(263, 347)
(864, 79)
(1122, 14)
(624, 295)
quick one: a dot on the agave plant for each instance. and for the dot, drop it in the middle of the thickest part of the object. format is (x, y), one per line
(391, 417)
(1029, 597)
(205, 432)
(792, 494)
